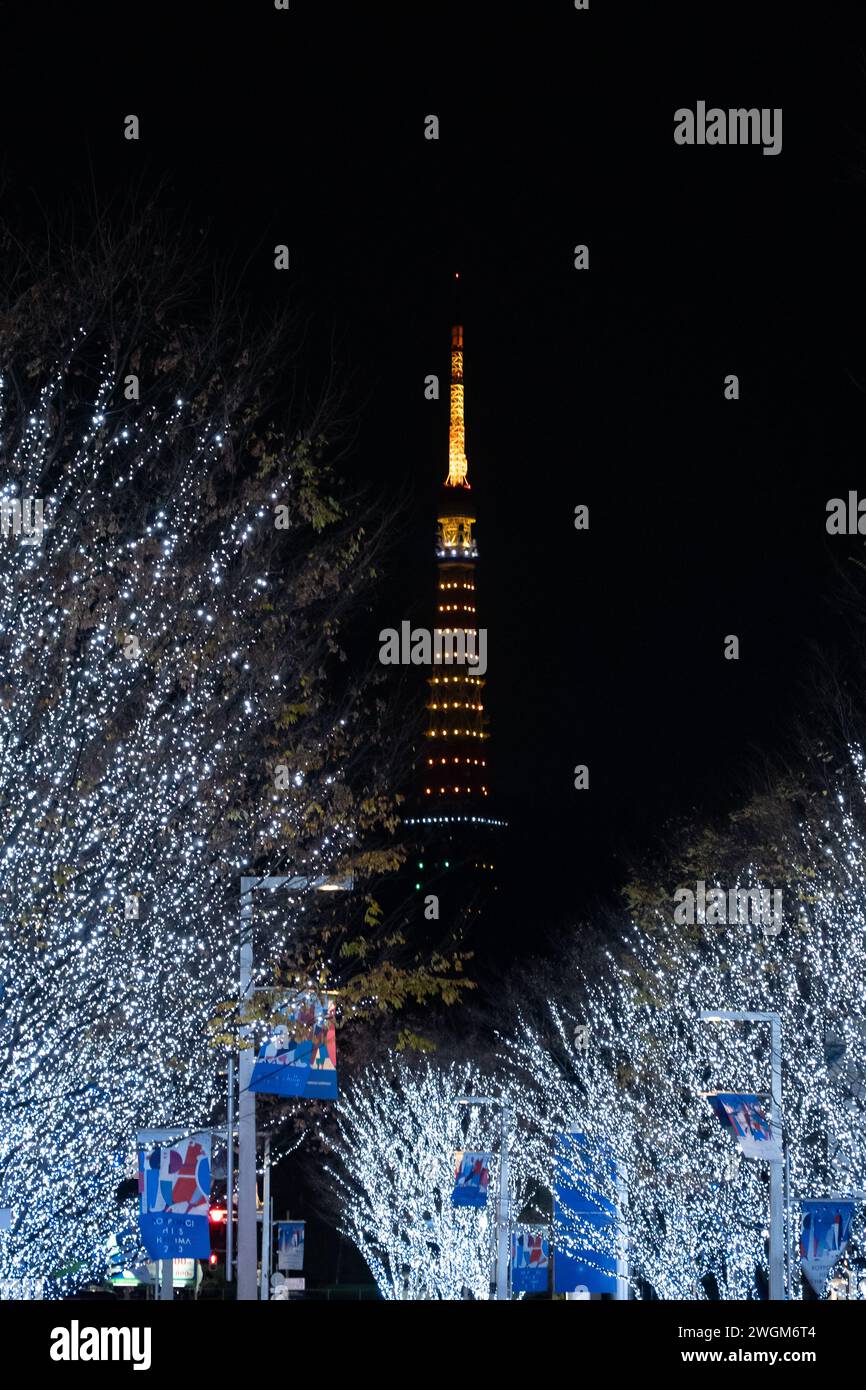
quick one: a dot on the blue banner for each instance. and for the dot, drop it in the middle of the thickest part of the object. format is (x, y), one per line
(746, 1115)
(530, 1262)
(825, 1229)
(471, 1179)
(174, 1198)
(578, 1211)
(290, 1245)
(301, 1057)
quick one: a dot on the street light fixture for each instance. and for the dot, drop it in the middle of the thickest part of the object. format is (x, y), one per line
(247, 1260)
(503, 1197)
(777, 1244)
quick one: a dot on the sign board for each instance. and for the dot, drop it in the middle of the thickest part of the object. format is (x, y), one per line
(583, 1177)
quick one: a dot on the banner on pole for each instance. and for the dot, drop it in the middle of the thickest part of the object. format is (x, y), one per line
(174, 1197)
(530, 1261)
(290, 1245)
(825, 1229)
(300, 1059)
(746, 1115)
(471, 1178)
(585, 1216)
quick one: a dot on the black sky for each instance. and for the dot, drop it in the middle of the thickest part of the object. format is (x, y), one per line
(604, 388)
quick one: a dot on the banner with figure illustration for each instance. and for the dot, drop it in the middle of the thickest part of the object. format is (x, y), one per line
(174, 1179)
(530, 1261)
(746, 1115)
(300, 1058)
(825, 1229)
(471, 1179)
(290, 1245)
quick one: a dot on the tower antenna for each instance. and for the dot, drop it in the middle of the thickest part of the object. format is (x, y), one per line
(458, 467)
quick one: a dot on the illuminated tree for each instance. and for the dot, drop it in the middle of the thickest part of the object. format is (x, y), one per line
(697, 1213)
(172, 709)
(679, 1188)
(399, 1128)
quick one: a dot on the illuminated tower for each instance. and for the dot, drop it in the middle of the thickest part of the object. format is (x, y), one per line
(454, 779)
(456, 828)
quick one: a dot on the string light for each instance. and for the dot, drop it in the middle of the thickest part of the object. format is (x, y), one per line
(696, 1213)
(399, 1129)
(135, 791)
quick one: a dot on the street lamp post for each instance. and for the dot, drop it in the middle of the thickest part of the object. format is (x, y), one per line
(777, 1277)
(266, 1224)
(246, 1242)
(503, 1195)
(622, 1245)
(230, 1170)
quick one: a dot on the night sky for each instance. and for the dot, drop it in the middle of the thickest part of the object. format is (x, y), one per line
(603, 387)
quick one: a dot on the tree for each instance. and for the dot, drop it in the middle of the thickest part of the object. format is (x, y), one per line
(174, 711)
(399, 1128)
(696, 1213)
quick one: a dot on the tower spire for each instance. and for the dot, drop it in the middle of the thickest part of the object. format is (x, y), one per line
(458, 467)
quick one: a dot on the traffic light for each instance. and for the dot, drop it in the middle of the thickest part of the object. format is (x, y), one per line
(218, 1221)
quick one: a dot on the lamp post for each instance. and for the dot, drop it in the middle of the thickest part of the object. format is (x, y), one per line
(246, 1242)
(622, 1246)
(503, 1195)
(777, 1279)
(230, 1170)
(266, 1225)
